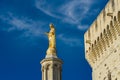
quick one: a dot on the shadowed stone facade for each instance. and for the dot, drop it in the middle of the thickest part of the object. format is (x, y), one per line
(102, 43)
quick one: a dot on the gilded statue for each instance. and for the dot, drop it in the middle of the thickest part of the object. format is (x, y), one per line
(52, 41)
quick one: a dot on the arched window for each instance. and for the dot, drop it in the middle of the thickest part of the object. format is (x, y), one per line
(89, 36)
(105, 38)
(104, 14)
(113, 5)
(112, 30)
(115, 19)
(93, 52)
(109, 34)
(55, 73)
(119, 21)
(102, 42)
(89, 48)
(116, 25)
(99, 46)
(92, 57)
(119, 16)
(109, 75)
(96, 25)
(48, 72)
(96, 49)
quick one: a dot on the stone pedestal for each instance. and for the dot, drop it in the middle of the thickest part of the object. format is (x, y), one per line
(51, 68)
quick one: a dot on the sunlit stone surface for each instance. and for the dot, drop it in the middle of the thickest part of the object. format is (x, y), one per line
(102, 43)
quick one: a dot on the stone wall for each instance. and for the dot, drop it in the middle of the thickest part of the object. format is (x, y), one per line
(102, 43)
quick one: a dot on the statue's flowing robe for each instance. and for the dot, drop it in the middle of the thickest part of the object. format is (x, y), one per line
(51, 37)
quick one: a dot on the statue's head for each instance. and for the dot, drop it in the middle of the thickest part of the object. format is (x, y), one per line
(51, 25)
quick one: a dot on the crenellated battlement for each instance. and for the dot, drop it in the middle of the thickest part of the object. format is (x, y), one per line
(104, 31)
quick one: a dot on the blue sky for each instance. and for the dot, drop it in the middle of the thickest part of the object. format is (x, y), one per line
(23, 43)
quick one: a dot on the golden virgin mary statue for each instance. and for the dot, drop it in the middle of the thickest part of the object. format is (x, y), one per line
(52, 42)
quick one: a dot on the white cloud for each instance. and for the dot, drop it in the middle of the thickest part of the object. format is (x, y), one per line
(75, 10)
(70, 41)
(30, 27)
(72, 12)
(83, 27)
(46, 8)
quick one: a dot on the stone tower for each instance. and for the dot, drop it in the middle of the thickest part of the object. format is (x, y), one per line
(51, 65)
(102, 43)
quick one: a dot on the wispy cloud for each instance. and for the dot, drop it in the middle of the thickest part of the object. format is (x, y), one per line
(68, 11)
(83, 27)
(72, 12)
(29, 26)
(46, 8)
(70, 40)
